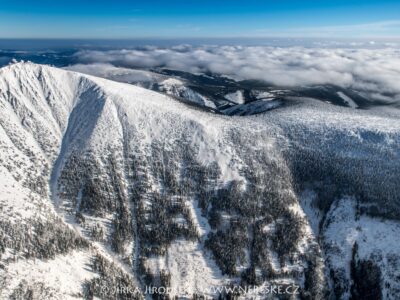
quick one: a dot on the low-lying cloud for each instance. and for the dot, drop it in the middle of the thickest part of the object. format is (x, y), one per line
(372, 71)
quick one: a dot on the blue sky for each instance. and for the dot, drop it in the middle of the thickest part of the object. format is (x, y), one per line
(178, 18)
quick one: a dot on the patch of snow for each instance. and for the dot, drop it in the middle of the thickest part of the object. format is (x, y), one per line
(65, 274)
(314, 216)
(236, 97)
(375, 239)
(350, 102)
(193, 269)
(264, 95)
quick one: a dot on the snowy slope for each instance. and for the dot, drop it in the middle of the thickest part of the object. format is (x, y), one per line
(90, 116)
(36, 105)
(176, 196)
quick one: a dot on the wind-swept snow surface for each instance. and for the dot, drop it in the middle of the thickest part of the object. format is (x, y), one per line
(127, 187)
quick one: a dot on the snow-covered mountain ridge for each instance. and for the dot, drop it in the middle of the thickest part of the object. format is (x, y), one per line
(147, 190)
(213, 92)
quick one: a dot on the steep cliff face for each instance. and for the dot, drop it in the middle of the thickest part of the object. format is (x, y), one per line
(149, 191)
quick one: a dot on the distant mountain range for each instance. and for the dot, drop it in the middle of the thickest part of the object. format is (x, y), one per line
(225, 95)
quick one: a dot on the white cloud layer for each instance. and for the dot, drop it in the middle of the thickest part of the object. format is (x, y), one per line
(375, 72)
